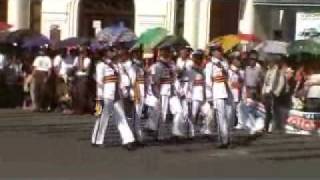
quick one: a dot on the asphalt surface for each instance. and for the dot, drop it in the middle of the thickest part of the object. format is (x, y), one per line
(51, 145)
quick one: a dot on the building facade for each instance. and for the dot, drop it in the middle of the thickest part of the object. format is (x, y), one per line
(198, 21)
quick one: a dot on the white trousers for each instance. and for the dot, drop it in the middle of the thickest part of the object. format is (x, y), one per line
(189, 129)
(137, 120)
(209, 120)
(114, 110)
(223, 110)
(159, 113)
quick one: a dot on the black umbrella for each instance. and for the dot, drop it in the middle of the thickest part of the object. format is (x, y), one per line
(73, 41)
(20, 35)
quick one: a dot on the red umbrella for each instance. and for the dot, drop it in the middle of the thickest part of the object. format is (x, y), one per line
(249, 37)
(4, 26)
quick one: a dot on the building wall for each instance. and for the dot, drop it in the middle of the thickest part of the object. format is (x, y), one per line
(18, 14)
(64, 14)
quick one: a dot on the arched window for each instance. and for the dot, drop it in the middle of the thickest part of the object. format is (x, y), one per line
(104, 13)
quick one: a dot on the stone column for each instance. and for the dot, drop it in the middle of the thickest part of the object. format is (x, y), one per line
(19, 14)
(246, 25)
(191, 22)
(204, 23)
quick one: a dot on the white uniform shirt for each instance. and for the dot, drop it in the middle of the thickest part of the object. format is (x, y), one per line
(99, 79)
(109, 88)
(197, 84)
(184, 66)
(162, 74)
(127, 72)
(86, 65)
(212, 70)
(63, 64)
(314, 91)
(42, 63)
(2, 61)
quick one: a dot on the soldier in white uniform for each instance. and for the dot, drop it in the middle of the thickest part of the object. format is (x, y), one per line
(113, 104)
(217, 78)
(196, 89)
(163, 74)
(132, 78)
(235, 80)
(184, 66)
(99, 87)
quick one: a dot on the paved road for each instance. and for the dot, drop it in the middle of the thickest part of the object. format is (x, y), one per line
(52, 145)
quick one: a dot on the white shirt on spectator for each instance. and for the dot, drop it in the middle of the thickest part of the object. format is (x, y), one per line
(2, 61)
(42, 63)
(63, 65)
(86, 65)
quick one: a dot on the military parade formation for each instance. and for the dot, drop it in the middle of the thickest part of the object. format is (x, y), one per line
(199, 91)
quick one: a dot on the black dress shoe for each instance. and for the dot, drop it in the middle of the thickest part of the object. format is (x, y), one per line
(223, 146)
(151, 133)
(129, 146)
(98, 145)
(140, 144)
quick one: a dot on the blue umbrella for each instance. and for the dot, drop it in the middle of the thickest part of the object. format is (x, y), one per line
(35, 41)
(115, 34)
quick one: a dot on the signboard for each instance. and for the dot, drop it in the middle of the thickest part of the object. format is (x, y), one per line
(303, 123)
(307, 25)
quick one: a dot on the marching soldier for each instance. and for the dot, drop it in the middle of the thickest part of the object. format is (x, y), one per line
(113, 104)
(163, 74)
(133, 79)
(139, 95)
(216, 78)
(236, 78)
(99, 86)
(184, 66)
(196, 89)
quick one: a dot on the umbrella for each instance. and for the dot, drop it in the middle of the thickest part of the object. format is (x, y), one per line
(304, 47)
(115, 34)
(35, 41)
(174, 41)
(71, 42)
(4, 26)
(19, 35)
(227, 42)
(272, 47)
(248, 37)
(151, 38)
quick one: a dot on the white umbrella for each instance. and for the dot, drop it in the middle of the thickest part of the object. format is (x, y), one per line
(116, 34)
(273, 47)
